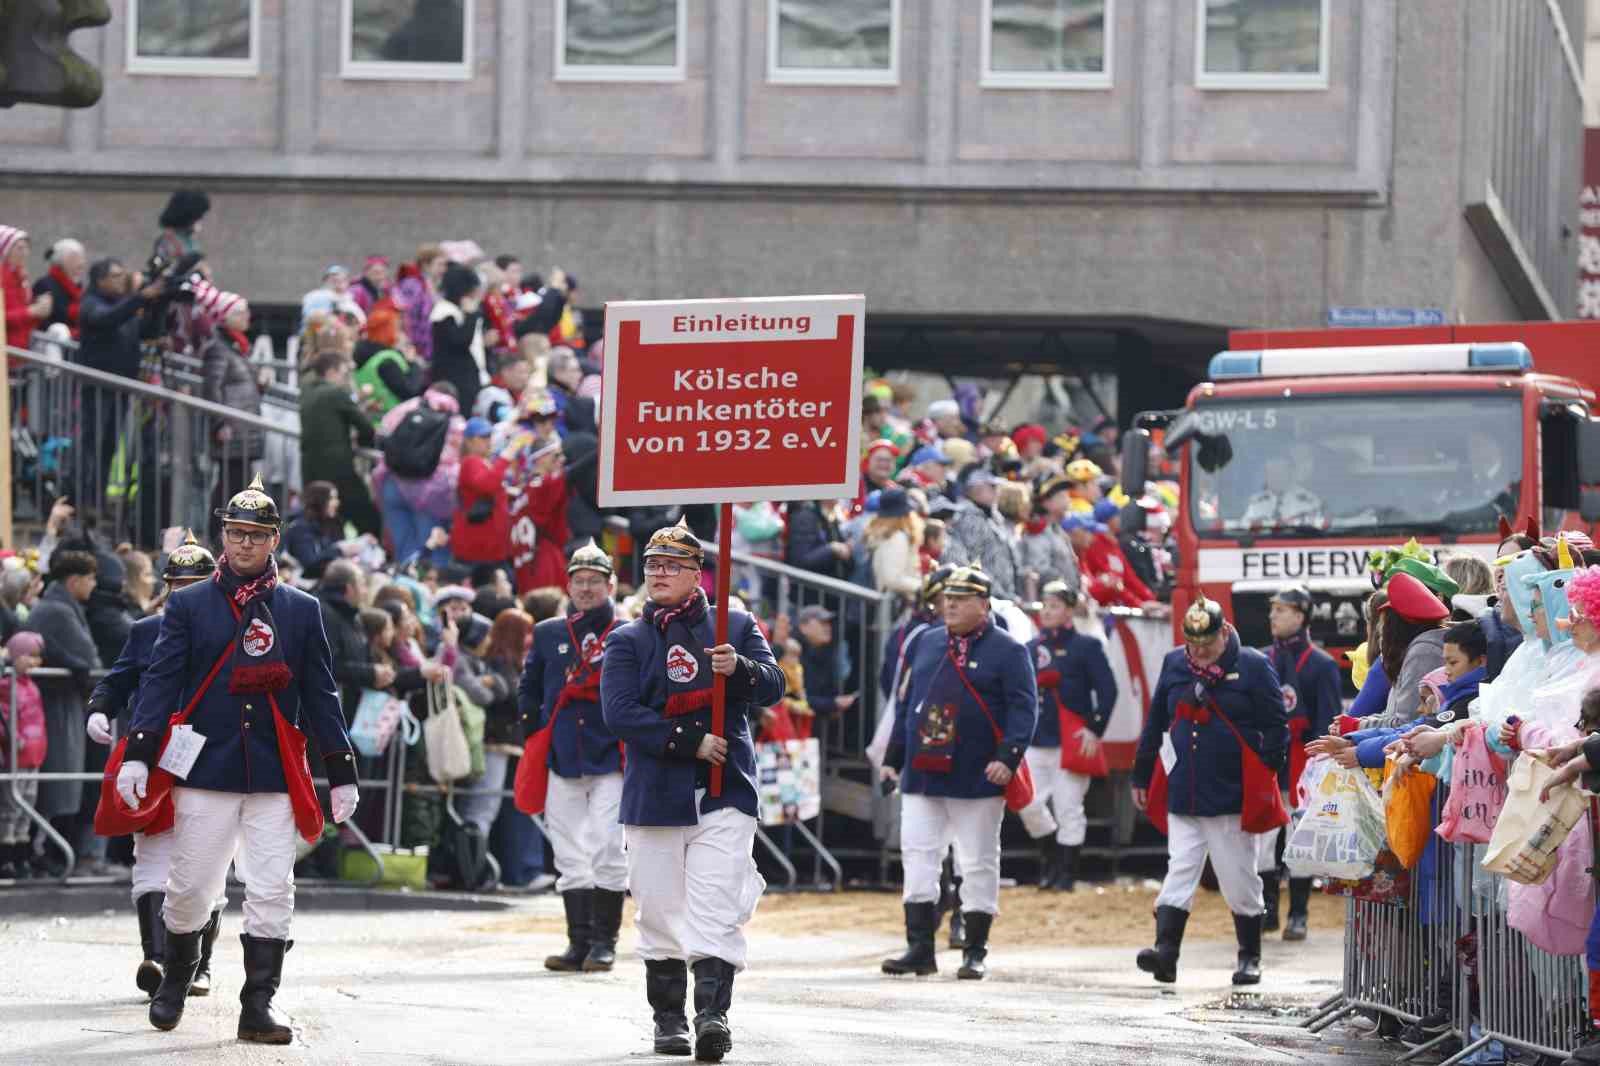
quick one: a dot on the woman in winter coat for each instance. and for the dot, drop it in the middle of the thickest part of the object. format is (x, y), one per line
(24, 312)
(316, 537)
(25, 751)
(228, 378)
(457, 321)
(893, 536)
(60, 618)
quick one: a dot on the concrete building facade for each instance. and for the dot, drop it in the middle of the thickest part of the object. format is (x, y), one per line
(1120, 170)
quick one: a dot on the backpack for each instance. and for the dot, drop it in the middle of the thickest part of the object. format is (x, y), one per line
(413, 449)
(460, 860)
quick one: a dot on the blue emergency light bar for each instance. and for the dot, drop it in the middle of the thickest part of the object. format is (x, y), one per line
(1509, 357)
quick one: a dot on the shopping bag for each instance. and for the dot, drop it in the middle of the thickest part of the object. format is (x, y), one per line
(1477, 790)
(1342, 829)
(473, 721)
(1528, 833)
(1408, 812)
(1389, 882)
(449, 757)
(377, 717)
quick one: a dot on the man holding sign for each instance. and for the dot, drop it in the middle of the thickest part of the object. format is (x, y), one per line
(690, 869)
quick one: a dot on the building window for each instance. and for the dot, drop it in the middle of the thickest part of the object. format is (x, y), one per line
(407, 40)
(1047, 44)
(219, 38)
(620, 40)
(1261, 44)
(833, 42)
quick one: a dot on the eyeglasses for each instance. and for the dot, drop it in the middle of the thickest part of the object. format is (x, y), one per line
(665, 569)
(257, 537)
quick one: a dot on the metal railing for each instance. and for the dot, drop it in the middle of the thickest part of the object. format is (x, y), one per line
(135, 458)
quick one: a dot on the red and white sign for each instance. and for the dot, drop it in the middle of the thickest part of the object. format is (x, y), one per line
(717, 401)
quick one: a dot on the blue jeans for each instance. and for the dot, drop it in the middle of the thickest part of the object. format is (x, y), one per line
(516, 841)
(408, 526)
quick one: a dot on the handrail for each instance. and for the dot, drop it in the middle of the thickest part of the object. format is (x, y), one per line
(821, 581)
(153, 392)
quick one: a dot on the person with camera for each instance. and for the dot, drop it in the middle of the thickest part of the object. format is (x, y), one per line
(690, 870)
(560, 688)
(248, 656)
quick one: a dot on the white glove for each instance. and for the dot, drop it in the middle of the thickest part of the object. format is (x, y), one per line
(99, 728)
(131, 782)
(345, 798)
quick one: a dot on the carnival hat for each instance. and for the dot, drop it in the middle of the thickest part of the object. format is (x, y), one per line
(252, 507)
(676, 542)
(1437, 581)
(189, 560)
(933, 584)
(590, 557)
(1412, 600)
(968, 581)
(1203, 619)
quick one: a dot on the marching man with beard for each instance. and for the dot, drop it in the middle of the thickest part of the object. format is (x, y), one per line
(248, 660)
(113, 699)
(1216, 724)
(693, 878)
(561, 681)
(959, 737)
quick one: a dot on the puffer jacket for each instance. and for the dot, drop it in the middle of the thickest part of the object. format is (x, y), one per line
(229, 379)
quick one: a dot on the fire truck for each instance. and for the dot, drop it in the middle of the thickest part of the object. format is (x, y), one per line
(1306, 452)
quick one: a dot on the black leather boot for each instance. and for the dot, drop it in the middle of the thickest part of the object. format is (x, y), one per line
(713, 995)
(152, 930)
(1049, 856)
(1161, 961)
(201, 985)
(180, 958)
(958, 928)
(666, 986)
(977, 949)
(1066, 879)
(922, 925)
(1269, 897)
(605, 921)
(259, 1021)
(1299, 907)
(580, 915)
(1248, 929)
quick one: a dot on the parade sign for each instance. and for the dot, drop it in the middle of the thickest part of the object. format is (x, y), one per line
(717, 401)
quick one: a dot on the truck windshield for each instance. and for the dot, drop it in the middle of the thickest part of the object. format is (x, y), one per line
(1370, 465)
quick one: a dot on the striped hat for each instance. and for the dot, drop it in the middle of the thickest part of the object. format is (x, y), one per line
(211, 303)
(9, 236)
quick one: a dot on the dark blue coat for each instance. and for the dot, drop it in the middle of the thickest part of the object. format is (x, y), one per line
(580, 743)
(241, 750)
(1088, 688)
(1000, 671)
(1313, 692)
(661, 773)
(1205, 780)
(114, 695)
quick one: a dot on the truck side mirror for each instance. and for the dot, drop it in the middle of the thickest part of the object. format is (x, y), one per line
(1135, 461)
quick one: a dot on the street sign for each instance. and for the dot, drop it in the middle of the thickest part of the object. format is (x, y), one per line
(715, 401)
(1371, 317)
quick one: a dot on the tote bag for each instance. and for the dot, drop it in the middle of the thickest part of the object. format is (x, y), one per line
(1477, 791)
(1528, 833)
(449, 757)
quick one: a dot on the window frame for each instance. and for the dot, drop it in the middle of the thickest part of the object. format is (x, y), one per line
(989, 78)
(581, 72)
(1262, 81)
(781, 75)
(386, 70)
(193, 67)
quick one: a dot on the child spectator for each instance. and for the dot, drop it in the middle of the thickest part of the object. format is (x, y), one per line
(25, 751)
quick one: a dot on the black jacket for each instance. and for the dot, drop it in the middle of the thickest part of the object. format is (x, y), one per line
(452, 358)
(352, 658)
(110, 333)
(810, 535)
(312, 546)
(821, 666)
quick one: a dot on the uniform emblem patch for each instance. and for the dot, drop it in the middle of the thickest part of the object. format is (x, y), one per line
(682, 667)
(563, 648)
(1291, 698)
(258, 638)
(591, 648)
(1042, 657)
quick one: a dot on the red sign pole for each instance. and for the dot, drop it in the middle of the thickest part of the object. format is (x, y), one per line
(719, 684)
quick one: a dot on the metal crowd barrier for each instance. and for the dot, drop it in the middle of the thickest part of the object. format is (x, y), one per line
(1516, 994)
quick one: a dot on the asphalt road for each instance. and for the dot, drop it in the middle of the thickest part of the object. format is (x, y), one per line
(417, 986)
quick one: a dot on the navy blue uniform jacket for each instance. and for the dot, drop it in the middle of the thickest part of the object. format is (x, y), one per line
(241, 749)
(114, 695)
(1205, 780)
(580, 743)
(659, 779)
(1000, 672)
(1314, 693)
(1088, 688)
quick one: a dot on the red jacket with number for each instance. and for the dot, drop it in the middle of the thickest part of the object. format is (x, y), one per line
(488, 541)
(1112, 581)
(539, 534)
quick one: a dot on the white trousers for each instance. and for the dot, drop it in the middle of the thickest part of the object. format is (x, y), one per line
(694, 887)
(1058, 794)
(1267, 844)
(929, 825)
(209, 830)
(1233, 857)
(152, 859)
(580, 814)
